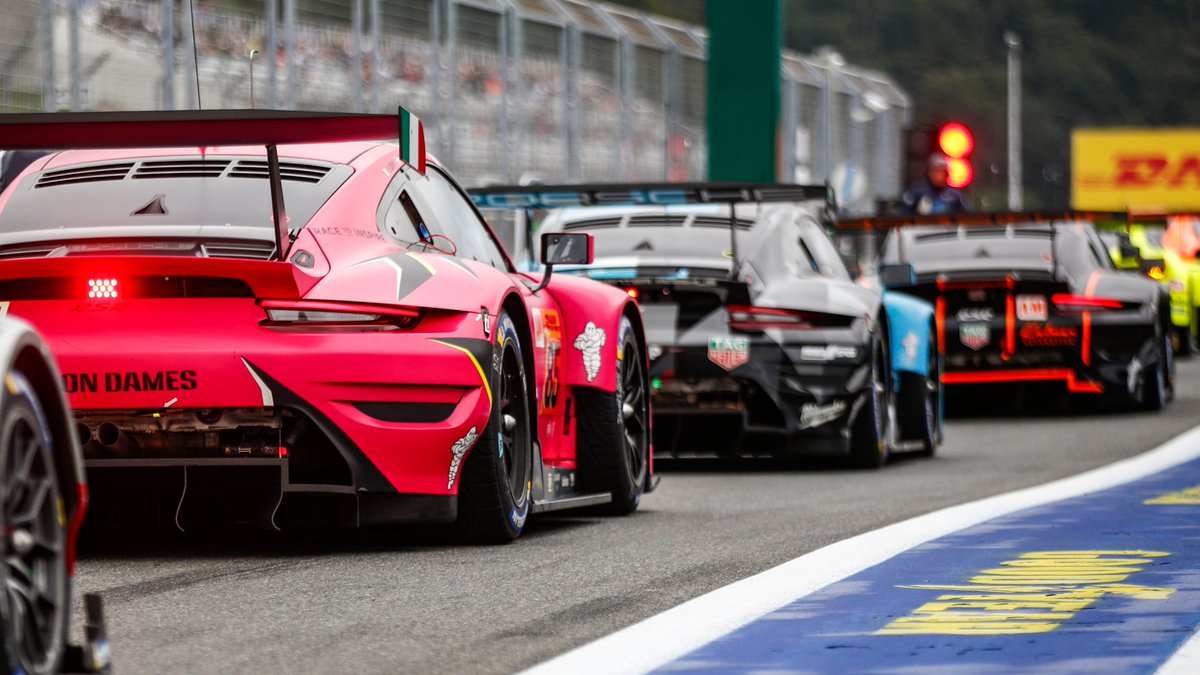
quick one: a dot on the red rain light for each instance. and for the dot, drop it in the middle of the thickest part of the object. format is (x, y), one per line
(958, 173)
(102, 289)
(956, 141)
(632, 292)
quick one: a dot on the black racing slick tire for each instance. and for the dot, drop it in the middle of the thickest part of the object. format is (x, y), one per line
(868, 432)
(918, 405)
(614, 431)
(1158, 382)
(36, 583)
(494, 491)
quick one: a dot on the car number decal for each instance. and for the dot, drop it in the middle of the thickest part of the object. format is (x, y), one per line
(1031, 308)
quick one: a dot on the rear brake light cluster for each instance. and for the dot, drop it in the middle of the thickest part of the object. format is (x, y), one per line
(749, 318)
(105, 288)
(309, 315)
(1079, 303)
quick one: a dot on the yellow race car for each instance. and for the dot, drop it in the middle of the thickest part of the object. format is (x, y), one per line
(1160, 247)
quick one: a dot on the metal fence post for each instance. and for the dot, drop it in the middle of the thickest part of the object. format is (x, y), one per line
(628, 71)
(46, 26)
(192, 74)
(572, 113)
(73, 54)
(435, 61)
(510, 40)
(450, 85)
(356, 50)
(376, 56)
(168, 56)
(787, 131)
(272, 52)
(290, 56)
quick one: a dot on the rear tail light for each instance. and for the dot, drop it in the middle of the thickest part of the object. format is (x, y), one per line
(102, 289)
(749, 318)
(1065, 302)
(309, 315)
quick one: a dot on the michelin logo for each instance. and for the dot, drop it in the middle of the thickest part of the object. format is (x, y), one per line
(457, 451)
(589, 343)
(814, 415)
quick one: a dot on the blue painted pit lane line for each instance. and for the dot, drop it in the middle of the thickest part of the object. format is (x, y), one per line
(1095, 573)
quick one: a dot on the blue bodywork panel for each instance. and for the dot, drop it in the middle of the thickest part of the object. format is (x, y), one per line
(910, 320)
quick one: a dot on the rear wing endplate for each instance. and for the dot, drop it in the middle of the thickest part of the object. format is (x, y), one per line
(643, 194)
(206, 128)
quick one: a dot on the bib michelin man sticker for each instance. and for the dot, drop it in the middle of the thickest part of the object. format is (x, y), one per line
(589, 343)
(457, 451)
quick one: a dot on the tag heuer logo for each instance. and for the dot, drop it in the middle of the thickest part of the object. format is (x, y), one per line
(975, 335)
(729, 353)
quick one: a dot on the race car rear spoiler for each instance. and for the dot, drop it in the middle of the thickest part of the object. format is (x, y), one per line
(1005, 218)
(643, 194)
(205, 128)
(555, 196)
(974, 219)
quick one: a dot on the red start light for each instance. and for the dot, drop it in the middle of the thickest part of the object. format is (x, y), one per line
(958, 173)
(102, 289)
(956, 141)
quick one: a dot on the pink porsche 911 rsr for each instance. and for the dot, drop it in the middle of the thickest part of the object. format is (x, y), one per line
(276, 316)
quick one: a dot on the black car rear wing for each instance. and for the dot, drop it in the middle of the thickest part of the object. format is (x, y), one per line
(206, 128)
(554, 196)
(1002, 219)
(975, 219)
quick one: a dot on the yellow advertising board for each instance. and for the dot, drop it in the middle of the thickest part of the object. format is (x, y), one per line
(1118, 169)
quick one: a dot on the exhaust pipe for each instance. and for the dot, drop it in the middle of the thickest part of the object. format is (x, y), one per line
(84, 432)
(116, 441)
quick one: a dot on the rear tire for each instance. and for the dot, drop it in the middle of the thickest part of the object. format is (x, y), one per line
(868, 433)
(494, 491)
(35, 565)
(614, 431)
(1158, 382)
(918, 405)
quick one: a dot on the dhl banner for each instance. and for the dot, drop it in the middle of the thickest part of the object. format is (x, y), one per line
(1119, 169)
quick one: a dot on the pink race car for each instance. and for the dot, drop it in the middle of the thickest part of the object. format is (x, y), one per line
(273, 316)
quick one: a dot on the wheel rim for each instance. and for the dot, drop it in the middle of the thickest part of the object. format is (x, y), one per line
(878, 390)
(514, 426)
(1164, 368)
(634, 411)
(34, 565)
(931, 392)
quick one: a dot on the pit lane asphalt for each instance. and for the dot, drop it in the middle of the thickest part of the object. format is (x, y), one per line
(243, 601)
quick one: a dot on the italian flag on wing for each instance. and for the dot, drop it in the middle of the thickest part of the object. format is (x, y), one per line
(412, 140)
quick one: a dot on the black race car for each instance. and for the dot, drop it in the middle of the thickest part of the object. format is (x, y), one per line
(1033, 298)
(759, 340)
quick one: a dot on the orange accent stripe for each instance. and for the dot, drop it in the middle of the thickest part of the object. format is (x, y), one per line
(1085, 346)
(941, 324)
(1010, 325)
(1028, 375)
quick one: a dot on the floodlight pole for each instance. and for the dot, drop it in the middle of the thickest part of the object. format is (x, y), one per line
(1015, 200)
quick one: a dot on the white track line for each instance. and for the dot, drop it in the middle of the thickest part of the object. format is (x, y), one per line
(664, 637)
